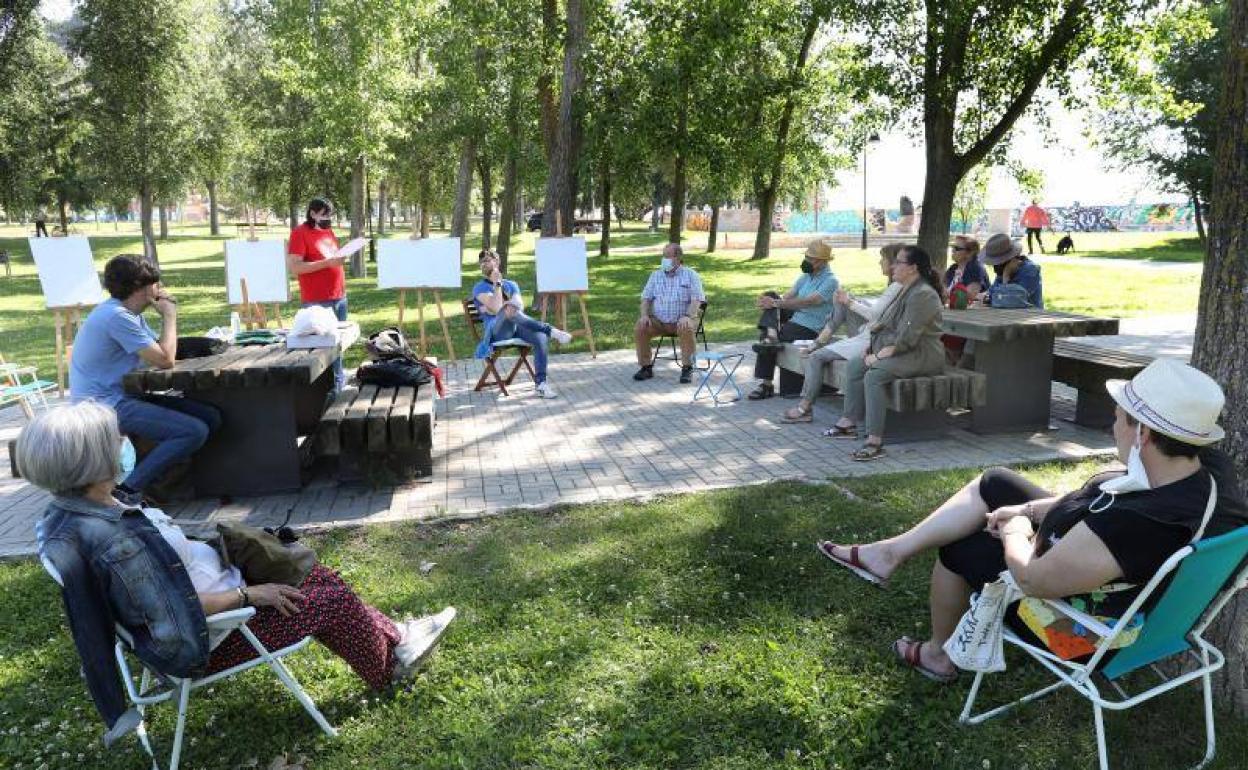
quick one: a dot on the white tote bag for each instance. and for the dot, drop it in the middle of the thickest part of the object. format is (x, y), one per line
(978, 644)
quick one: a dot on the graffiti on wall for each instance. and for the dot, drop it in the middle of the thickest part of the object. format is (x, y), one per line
(1076, 218)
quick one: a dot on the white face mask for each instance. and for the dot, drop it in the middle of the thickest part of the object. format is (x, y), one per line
(666, 265)
(1136, 478)
(127, 460)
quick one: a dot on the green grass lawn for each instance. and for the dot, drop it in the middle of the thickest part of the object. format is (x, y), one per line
(701, 631)
(192, 262)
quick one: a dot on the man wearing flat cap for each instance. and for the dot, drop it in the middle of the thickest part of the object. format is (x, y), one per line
(798, 315)
(1005, 257)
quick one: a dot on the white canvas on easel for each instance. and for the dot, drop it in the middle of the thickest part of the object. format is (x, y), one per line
(69, 282)
(263, 265)
(562, 265)
(66, 272)
(421, 263)
(563, 269)
(429, 263)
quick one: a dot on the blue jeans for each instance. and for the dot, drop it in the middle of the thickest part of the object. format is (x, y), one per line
(179, 426)
(339, 306)
(531, 331)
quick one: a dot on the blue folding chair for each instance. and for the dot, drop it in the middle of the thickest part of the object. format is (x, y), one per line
(1206, 576)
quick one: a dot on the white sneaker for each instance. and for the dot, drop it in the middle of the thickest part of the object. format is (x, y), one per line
(544, 390)
(560, 336)
(418, 638)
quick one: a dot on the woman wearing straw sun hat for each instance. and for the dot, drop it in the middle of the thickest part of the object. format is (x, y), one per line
(1095, 546)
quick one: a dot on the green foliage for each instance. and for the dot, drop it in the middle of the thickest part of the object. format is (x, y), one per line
(1160, 106)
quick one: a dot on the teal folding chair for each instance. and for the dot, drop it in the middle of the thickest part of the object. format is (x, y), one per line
(1206, 576)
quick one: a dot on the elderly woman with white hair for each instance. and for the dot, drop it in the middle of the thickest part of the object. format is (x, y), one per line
(121, 564)
(1096, 547)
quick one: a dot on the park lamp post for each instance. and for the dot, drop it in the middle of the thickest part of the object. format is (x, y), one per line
(872, 138)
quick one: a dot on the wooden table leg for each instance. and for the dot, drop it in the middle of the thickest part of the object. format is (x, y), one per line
(1020, 385)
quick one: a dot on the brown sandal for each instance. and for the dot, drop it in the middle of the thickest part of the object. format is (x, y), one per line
(797, 414)
(909, 653)
(868, 452)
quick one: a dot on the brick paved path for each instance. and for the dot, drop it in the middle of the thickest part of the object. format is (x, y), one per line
(605, 437)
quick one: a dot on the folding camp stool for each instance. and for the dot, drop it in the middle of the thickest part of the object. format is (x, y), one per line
(718, 361)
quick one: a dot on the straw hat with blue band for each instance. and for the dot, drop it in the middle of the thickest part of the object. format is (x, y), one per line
(1173, 399)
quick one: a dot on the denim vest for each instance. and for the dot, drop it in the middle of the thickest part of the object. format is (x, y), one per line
(116, 568)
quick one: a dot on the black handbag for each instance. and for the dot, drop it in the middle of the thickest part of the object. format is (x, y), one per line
(200, 347)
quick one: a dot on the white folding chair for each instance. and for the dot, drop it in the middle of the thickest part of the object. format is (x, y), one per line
(220, 626)
(1206, 576)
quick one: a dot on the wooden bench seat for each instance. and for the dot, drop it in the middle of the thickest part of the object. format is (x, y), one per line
(1086, 368)
(919, 405)
(369, 424)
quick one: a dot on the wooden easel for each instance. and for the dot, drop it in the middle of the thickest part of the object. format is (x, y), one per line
(252, 313)
(561, 303)
(420, 309)
(67, 321)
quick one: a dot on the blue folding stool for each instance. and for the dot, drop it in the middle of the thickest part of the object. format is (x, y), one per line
(718, 361)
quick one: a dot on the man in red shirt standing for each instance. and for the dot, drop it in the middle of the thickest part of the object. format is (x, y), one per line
(313, 257)
(1035, 219)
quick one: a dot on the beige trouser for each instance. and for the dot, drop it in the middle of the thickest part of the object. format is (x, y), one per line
(647, 329)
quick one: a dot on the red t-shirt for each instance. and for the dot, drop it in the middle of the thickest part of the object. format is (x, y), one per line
(313, 244)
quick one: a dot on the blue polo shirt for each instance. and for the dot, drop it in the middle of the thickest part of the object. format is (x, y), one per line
(106, 348)
(824, 283)
(1028, 276)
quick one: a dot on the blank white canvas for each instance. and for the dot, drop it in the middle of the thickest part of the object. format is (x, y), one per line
(66, 271)
(263, 264)
(428, 263)
(562, 264)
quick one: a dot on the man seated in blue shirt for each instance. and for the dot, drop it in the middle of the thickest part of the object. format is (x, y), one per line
(502, 318)
(112, 341)
(1006, 258)
(799, 314)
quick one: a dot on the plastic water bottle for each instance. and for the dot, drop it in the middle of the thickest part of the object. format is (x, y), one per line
(236, 323)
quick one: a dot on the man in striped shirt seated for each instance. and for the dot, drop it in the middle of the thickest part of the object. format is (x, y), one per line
(670, 304)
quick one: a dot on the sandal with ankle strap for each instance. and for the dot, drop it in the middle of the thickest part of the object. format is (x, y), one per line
(868, 452)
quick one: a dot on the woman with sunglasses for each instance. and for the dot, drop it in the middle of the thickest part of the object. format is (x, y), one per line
(905, 342)
(967, 271)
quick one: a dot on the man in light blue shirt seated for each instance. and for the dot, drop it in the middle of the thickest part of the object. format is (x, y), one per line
(798, 315)
(671, 304)
(113, 341)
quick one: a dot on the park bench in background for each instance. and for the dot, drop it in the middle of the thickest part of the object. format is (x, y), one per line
(1086, 368)
(370, 425)
(490, 376)
(918, 406)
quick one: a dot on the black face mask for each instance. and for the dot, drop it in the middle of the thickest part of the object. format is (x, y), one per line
(807, 267)
(324, 224)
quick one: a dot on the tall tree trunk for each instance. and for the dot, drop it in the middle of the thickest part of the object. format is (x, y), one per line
(357, 214)
(1200, 219)
(944, 172)
(766, 210)
(713, 231)
(656, 201)
(214, 222)
(487, 201)
(424, 205)
(604, 243)
(145, 223)
(382, 203)
(1222, 320)
(63, 208)
(548, 115)
(676, 230)
(561, 183)
(507, 216)
(762, 240)
(463, 187)
(162, 216)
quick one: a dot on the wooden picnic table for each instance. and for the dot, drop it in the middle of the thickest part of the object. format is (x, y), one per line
(1014, 349)
(270, 399)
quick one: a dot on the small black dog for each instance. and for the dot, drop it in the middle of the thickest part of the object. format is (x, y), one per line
(1065, 244)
